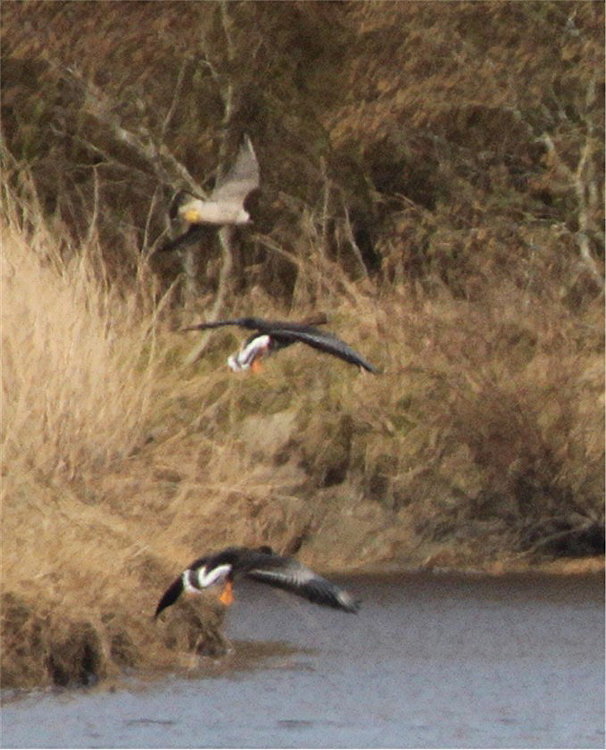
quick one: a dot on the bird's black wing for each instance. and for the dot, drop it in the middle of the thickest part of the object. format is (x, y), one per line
(325, 342)
(253, 324)
(260, 325)
(291, 575)
(196, 233)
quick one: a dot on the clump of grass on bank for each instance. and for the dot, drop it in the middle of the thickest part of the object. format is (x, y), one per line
(78, 362)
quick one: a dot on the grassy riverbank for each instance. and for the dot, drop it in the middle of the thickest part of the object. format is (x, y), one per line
(479, 445)
(442, 211)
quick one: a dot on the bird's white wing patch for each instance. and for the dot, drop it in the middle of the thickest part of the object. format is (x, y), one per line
(192, 210)
(298, 574)
(205, 578)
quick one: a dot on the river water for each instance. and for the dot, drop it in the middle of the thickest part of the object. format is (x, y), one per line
(430, 661)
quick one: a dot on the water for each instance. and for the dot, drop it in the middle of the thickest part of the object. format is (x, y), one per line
(430, 661)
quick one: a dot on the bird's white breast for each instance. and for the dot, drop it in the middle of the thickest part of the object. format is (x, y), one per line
(243, 359)
(214, 212)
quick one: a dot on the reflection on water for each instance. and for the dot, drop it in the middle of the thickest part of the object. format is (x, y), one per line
(430, 661)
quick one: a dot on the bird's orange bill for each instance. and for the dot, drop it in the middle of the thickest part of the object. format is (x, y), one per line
(227, 595)
(256, 365)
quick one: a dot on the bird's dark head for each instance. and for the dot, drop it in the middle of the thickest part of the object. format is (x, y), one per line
(180, 197)
(170, 596)
(266, 550)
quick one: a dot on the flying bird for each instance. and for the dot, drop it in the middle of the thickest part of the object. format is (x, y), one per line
(273, 335)
(262, 565)
(225, 204)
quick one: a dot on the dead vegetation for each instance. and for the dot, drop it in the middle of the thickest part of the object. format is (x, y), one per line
(431, 178)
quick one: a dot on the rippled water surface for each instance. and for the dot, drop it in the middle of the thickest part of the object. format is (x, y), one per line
(430, 661)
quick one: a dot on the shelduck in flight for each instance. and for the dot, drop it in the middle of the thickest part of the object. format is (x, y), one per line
(262, 565)
(272, 335)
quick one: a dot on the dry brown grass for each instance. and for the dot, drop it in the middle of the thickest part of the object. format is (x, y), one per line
(79, 367)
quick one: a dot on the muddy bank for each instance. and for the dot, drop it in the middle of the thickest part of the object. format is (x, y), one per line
(48, 643)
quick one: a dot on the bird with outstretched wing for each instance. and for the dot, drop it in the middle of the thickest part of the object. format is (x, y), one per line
(273, 335)
(225, 205)
(219, 571)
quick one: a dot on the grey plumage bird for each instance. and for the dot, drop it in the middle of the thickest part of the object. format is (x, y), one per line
(273, 335)
(225, 204)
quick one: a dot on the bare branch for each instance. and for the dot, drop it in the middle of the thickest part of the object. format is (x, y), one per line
(150, 213)
(226, 92)
(166, 167)
(175, 99)
(582, 181)
(224, 273)
(352, 241)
